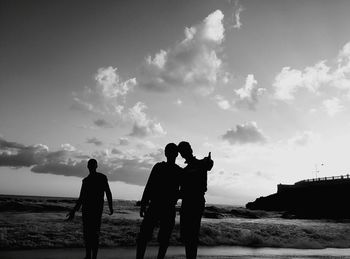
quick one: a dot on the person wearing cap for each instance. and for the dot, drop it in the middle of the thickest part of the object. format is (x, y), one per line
(91, 198)
(193, 188)
(158, 203)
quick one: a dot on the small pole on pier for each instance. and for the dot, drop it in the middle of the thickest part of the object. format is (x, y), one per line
(316, 170)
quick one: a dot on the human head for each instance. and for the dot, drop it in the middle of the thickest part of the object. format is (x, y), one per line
(185, 149)
(92, 164)
(171, 151)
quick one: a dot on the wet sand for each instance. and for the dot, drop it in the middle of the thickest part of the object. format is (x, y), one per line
(178, 253)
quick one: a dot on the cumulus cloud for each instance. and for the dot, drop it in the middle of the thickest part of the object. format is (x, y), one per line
(244, 133)
(191, 63)
(94, 141)
(107, 96)
(248, 95)
(289, 80)
(142, 125)
(333, 106)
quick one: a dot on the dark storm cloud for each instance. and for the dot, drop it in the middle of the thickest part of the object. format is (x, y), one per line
(14, 154)
(244, 133)
(62, 168)
(94, 141)
(131, 170)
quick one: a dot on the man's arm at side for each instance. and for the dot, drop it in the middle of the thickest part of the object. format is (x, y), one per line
(77, 206)
(109, 198)
(147, 193)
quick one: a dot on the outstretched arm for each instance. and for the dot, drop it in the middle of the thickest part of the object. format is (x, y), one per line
(109, 198)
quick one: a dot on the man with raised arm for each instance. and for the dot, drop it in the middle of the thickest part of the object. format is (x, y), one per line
(158, 203)
(193, 188)
(91, 198)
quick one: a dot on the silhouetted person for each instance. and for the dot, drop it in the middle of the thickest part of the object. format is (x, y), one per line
(92, 198)
(193, 188)
(160, 196)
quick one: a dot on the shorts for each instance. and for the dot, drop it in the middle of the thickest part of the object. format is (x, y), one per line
(164, 216)
(190, 219)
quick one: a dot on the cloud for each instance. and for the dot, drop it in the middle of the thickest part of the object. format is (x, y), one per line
(142, 125)
(102, 123)
(244, 133)
(94, 141)
(13, 154)
(116, 151)
(222, 102)
(69, 162)
(107, 96)
(21, 156)
(68, 147)
(123, 141)
(333, 106)
(69, 168)
(192, 63)
(132, 171)
(179, 102)
(110, 84)
(288, 81)
(248, 95)
(236, 16)
(303, 138)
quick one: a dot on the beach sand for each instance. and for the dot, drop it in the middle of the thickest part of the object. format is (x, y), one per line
(178, 253)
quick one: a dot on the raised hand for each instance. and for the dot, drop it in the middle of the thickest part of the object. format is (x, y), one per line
(210, 162)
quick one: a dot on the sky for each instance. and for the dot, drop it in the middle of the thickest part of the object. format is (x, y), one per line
(262, 85)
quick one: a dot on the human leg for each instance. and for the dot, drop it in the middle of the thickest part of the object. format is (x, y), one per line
(167, 222)
(86, 235)
(146, 232)
(190, 220)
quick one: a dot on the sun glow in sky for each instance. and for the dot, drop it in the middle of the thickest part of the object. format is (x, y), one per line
(263, 85)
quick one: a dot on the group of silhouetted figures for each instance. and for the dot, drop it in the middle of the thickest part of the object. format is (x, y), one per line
(166, 184)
